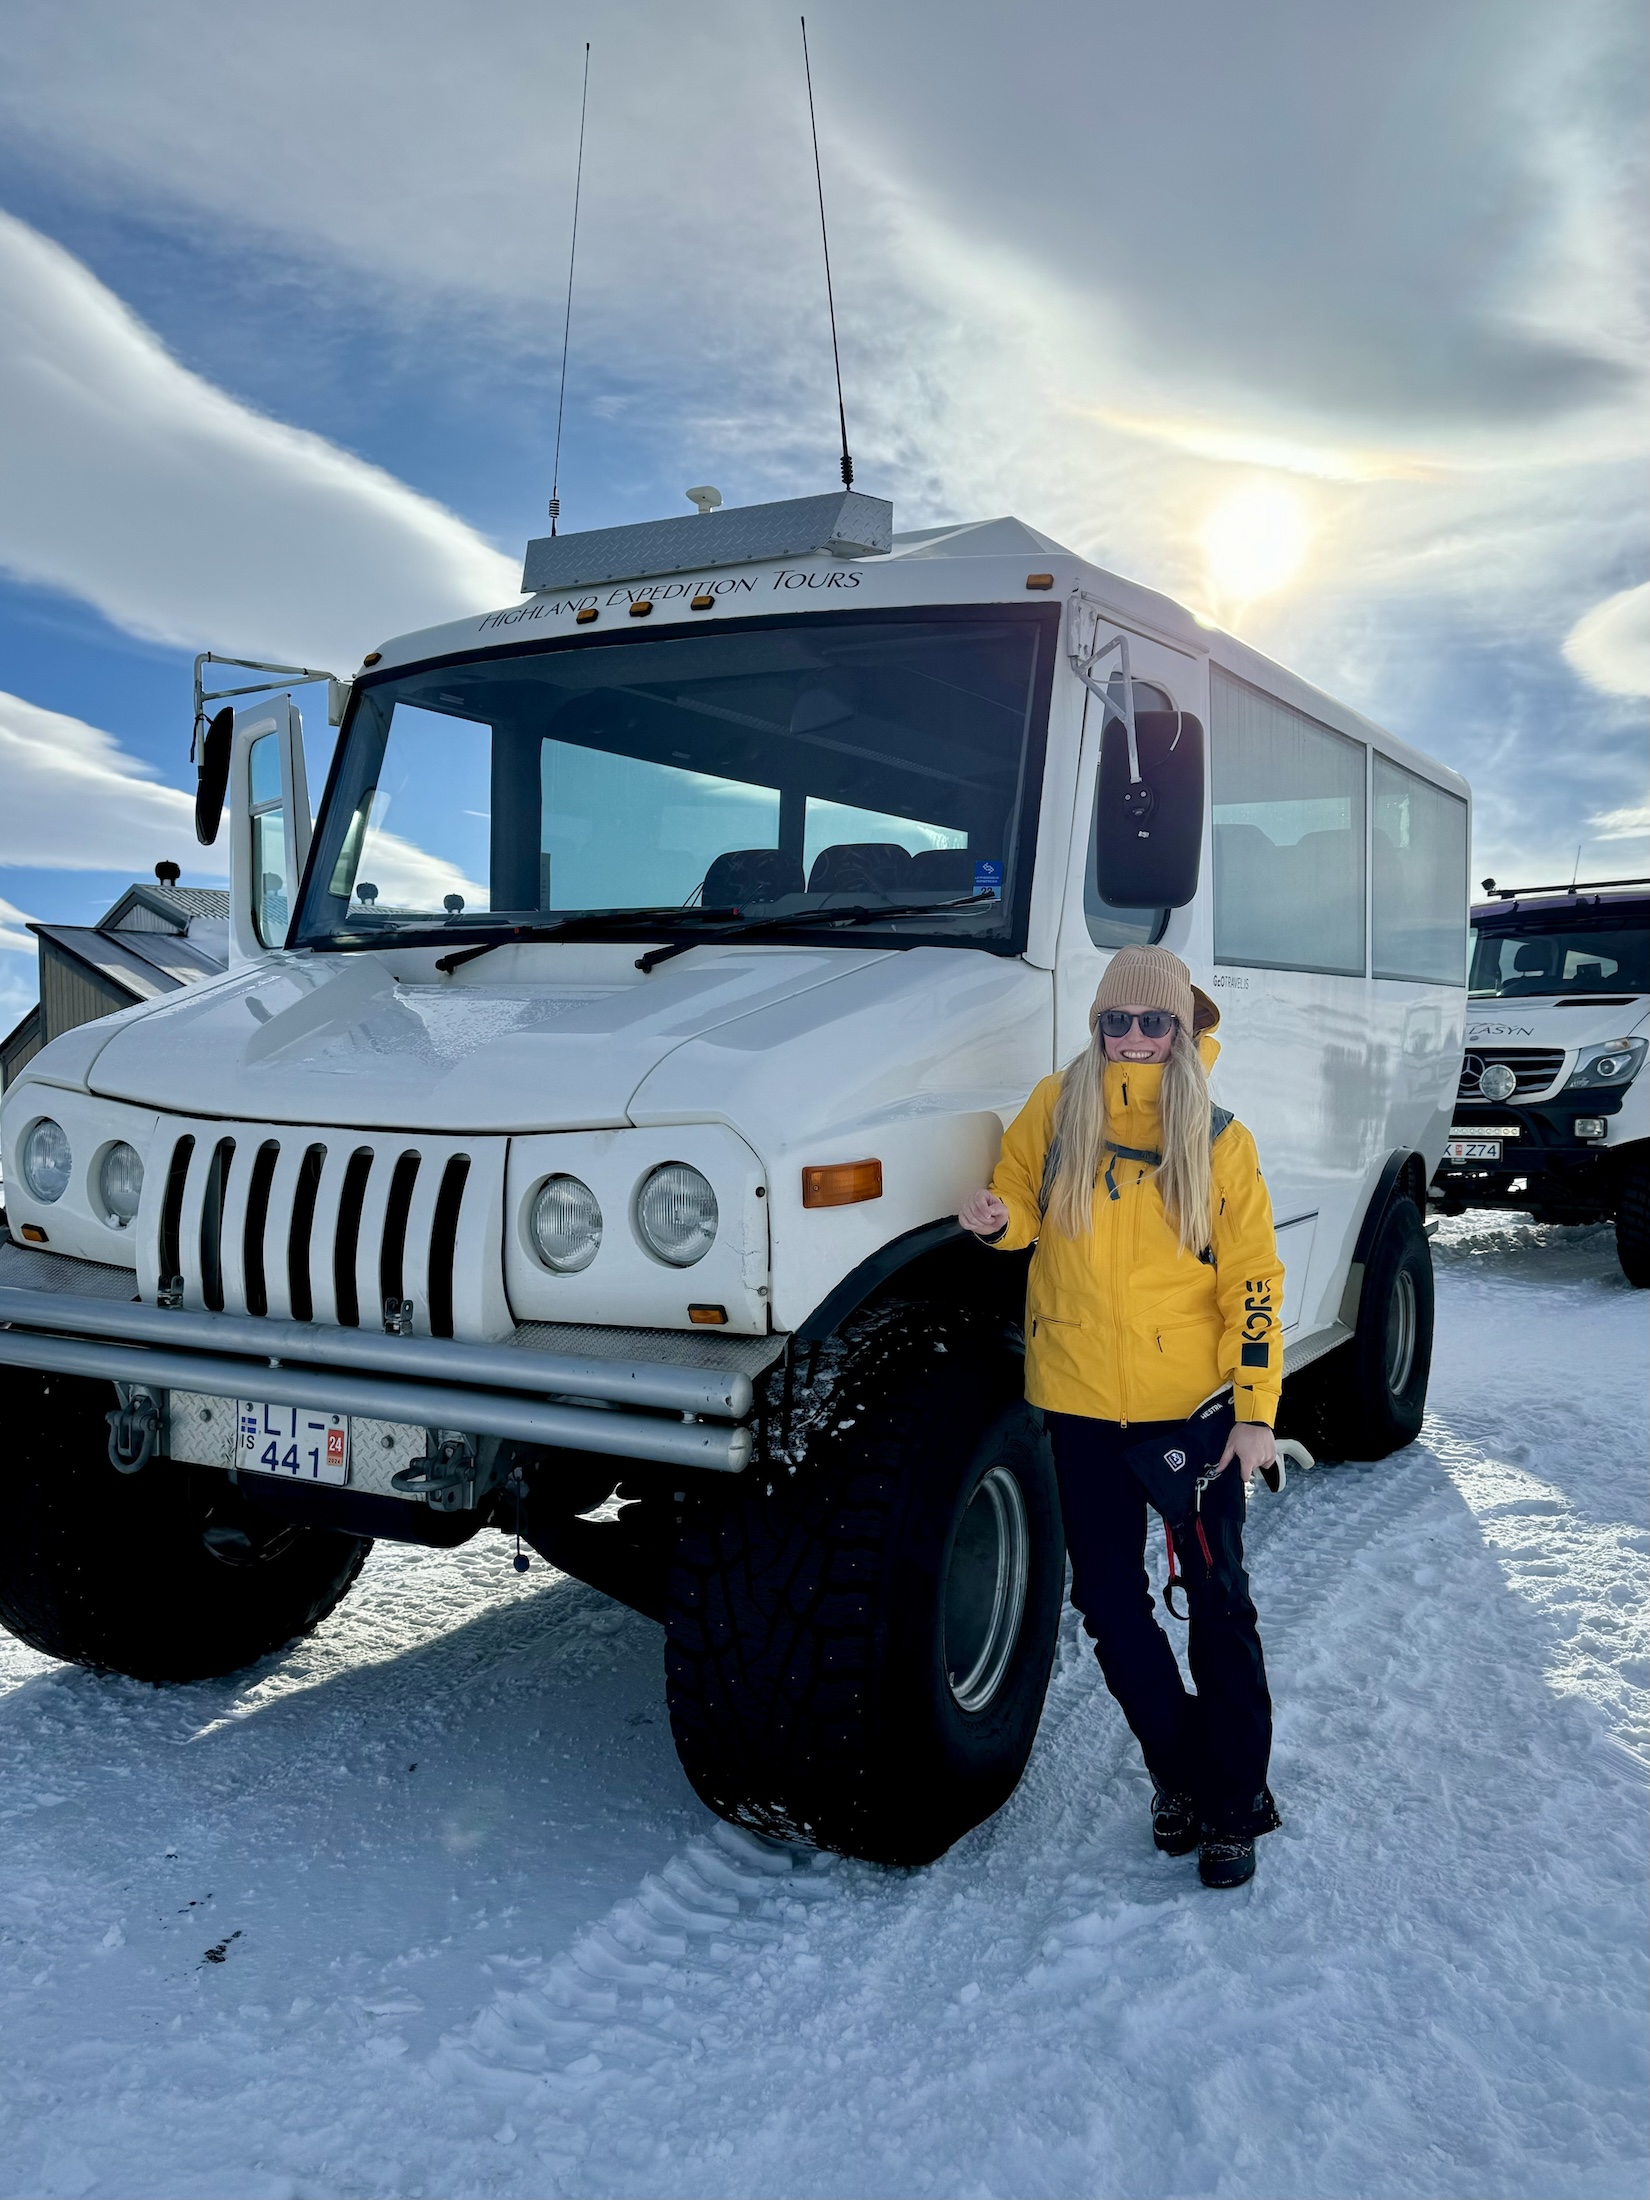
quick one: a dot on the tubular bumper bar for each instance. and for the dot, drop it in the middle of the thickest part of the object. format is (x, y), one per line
(291, 1363)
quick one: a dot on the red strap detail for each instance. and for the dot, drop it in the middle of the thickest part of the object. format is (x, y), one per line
(1203, 1540)
(1168, 1538)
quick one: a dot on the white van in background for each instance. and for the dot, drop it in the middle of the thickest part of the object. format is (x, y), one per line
(1553, 1114)
(585, 1109)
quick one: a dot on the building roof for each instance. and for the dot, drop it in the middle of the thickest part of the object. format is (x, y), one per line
(173, 904)
(143, 964)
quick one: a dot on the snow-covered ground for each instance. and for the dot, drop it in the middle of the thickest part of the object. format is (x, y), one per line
(426, 1907)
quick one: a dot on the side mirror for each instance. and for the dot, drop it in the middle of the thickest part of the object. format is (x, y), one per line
(212, 776)
(1149, 836)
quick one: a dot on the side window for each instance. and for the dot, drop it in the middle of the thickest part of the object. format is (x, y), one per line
(1109, 927)
(1418, 878)
(270, 914)
(1288, 804)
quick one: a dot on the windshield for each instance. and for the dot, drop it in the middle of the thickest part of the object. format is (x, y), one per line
(769, 769)
(1602, 958)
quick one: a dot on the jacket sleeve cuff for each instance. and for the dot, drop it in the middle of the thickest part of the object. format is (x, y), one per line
(1250, 1405)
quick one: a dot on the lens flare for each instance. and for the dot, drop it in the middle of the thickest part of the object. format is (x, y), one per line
(1255, 540)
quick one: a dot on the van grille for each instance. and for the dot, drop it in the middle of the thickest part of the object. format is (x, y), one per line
(1534, 1068)
(321, 1225)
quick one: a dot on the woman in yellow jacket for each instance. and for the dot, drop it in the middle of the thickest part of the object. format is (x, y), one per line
(1155, 1283)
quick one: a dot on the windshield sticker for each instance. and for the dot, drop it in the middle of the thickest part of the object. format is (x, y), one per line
(988, 879)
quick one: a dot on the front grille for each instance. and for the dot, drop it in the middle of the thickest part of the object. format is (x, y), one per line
(1535, 1070)
(324, 1226)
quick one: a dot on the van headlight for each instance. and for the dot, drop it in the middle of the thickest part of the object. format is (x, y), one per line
(47, 1160)
(1617, 1062)
(676, 1214)
(566, 1223)
(120, 1183)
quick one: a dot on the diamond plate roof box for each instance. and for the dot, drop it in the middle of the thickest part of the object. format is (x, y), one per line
(845, 524)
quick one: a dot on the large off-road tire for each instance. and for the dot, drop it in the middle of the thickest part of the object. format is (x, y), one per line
(1633, 1216)
(166, 1574)
(1368, 1398)
(858, 1647)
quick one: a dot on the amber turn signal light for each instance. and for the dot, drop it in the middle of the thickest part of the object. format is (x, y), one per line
(842, 1184)
(707, 1317)
(32, 1234)
(1039, 580)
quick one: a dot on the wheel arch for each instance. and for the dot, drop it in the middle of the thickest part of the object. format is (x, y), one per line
(939, 1261)
(1403, 1176)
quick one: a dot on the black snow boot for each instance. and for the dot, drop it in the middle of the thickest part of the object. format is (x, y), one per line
(1174, 1823)
(1225, 1859)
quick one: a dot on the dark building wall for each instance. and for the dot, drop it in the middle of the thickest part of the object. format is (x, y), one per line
(70, 994)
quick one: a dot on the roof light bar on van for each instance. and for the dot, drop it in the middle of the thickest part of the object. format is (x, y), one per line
(1576, 886)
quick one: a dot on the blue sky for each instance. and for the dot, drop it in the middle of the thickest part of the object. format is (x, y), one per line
(1329, 321)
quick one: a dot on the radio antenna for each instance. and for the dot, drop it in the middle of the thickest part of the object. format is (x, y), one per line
(824, 238)
(567, 321)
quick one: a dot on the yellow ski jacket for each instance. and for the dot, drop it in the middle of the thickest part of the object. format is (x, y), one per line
(1121, 1325)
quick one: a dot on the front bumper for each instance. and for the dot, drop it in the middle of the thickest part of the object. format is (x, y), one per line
(1545, 1159)
(630, 1394)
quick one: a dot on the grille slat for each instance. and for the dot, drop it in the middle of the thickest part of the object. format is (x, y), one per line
(1534, 1070)
(324, 1226)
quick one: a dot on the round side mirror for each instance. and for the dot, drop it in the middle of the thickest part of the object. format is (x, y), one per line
(212, 778)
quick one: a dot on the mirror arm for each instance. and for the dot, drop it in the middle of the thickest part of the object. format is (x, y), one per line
(1083, 664)
(293, 675)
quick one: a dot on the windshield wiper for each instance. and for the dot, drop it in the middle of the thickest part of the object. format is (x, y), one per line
(810, 919)
(586, 920)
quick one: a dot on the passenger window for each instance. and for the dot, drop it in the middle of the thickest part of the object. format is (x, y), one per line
(1109, 927)
(1288, 835)
(270, 913)
(1418, 878)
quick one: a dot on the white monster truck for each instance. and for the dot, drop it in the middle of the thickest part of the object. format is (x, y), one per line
(573, 1139)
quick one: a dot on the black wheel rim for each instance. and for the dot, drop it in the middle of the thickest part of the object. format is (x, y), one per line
(985, 1589)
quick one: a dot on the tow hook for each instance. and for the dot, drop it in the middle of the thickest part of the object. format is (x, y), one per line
(134, 1432)
(446, 1477)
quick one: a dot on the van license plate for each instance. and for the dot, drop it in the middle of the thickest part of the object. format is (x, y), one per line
(1474, 1149)
(303, 1443)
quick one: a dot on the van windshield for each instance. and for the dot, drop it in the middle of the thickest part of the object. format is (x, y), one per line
(879, 761)
(1600, 958)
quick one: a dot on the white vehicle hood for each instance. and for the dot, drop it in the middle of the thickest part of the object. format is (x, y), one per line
(1544, 1023)
(548, 1039)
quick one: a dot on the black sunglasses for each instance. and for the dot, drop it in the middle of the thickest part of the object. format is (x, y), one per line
(1155, 1023)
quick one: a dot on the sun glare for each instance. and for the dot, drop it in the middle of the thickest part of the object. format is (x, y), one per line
(1255, 539)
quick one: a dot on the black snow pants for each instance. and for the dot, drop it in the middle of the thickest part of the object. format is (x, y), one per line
(1213, 1746)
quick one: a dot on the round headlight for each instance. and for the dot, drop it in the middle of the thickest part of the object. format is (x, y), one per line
(676, 1214)
(566, 1224)
(120, 1182)
(47, 1160)
(1497, 1082)
(1610, 1065)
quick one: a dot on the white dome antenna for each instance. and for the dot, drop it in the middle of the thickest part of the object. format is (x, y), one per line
(707, 499)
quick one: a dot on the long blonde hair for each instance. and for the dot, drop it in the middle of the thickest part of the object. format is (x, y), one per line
(1079, 1140)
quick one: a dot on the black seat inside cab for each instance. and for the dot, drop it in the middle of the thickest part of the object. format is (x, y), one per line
(943, 870)
(751, 874)
(861, 867)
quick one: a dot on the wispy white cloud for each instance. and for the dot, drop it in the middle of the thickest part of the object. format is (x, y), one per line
(1610, 645)
(185, 516)
(14, 940)
(1631, 823)
(75, 800)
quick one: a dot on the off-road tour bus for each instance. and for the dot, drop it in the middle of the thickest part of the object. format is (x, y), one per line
(571, 1147)
(1553, 1116)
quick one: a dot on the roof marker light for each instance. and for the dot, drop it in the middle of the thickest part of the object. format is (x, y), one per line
(642, 608)
(704, 603)
(1039, 580)
(587, 616)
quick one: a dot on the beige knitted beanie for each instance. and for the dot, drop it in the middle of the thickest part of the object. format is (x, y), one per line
(1150, 977)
